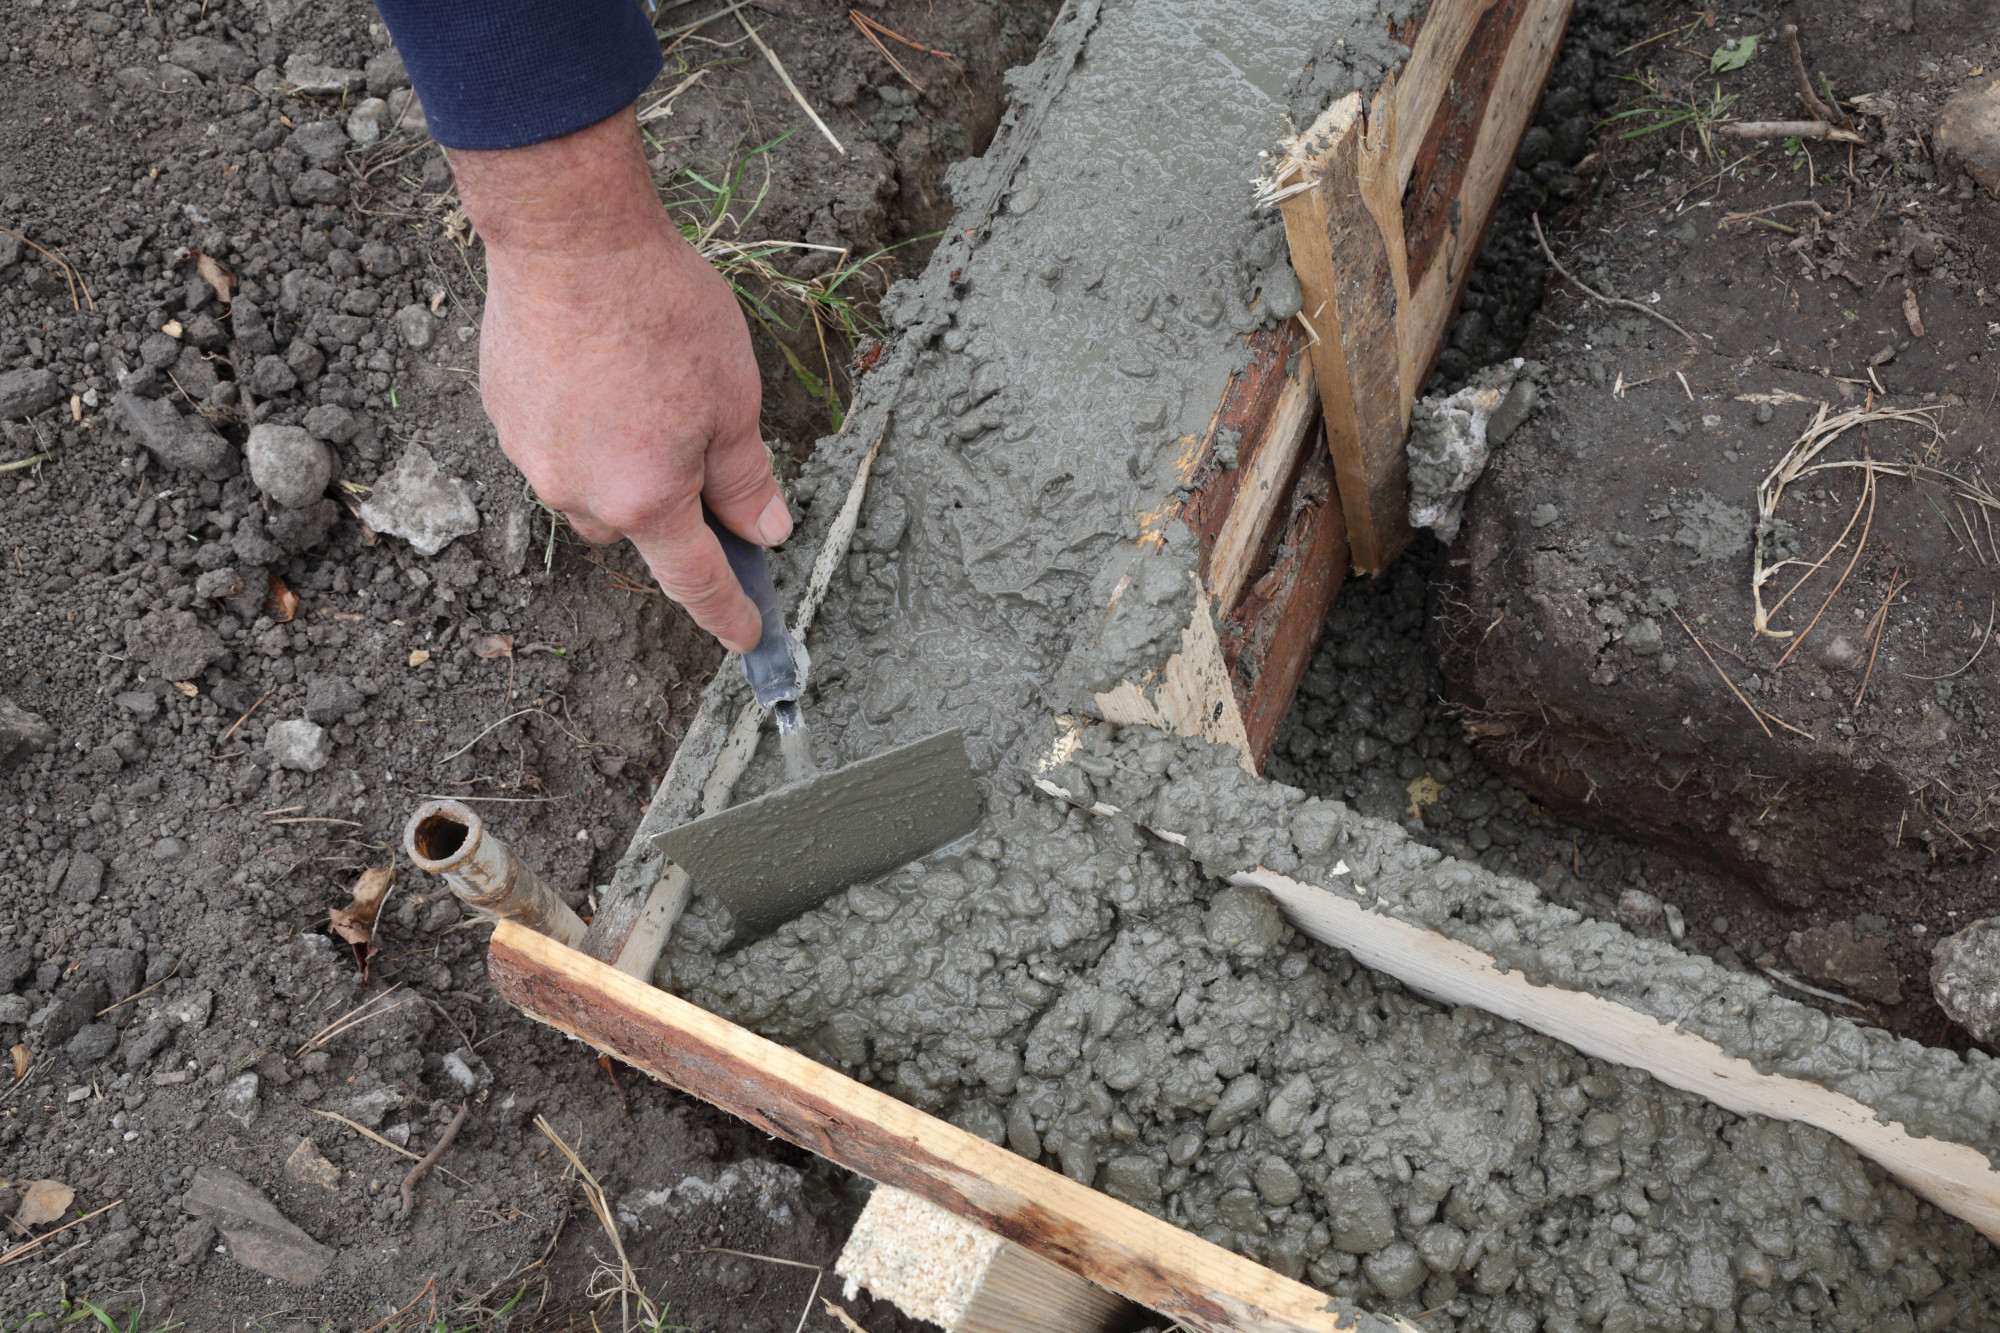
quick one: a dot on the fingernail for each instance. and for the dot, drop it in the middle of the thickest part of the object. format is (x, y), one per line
(775, 523)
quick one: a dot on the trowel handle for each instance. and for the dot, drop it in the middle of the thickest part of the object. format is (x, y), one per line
(772, 667)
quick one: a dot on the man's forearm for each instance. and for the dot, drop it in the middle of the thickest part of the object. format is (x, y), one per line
(566, 200)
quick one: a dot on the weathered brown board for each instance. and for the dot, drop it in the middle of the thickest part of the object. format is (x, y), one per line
(1142, 1258)
(1386, 202)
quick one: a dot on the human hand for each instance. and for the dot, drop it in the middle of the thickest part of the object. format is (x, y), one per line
(617, 366)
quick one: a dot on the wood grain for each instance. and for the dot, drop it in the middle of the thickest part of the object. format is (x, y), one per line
(1139, 1256)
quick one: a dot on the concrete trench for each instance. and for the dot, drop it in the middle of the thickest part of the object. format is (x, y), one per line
(1098, 1000)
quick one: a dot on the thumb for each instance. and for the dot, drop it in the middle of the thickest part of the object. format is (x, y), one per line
(739, 489)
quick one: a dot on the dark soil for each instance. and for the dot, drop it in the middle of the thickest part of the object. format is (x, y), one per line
(155, 840)
(1846, 824)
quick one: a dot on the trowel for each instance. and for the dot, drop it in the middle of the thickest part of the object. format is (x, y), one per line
(771, 858)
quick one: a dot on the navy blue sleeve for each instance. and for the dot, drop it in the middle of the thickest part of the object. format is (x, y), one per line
(508, 73)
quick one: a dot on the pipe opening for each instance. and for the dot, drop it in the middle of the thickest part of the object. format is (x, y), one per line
(438, 836)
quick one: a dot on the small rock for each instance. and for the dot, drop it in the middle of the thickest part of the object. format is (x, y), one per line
(467, 1070)
(321, 144)
(332, 423)
(238, 1099)
(1243, 1096)
(26, 392)
(416, 326)
(417, 502)
(385, 73)
(173, 643)
(366, 121)
(286, 462)
(193, 1242)
(169, 850)
(92, 1043)
(1969, 127)
(306, 1167)
(269, 377)
(1543, 515)
(14, 1009)
(318, 187)
(1965, 974)
(380, 259)
(16, 966)
(298, 745)
(406, 114)
(244, 597)
(1638, 909)
(1676, 923)
(190, 1009)
(69, 1014)
(144, 1041)
(370, 1107)
(144, 704)
(1642, 638)
(179, 443)
(122, 969)
(258, 1236)
(330, 698)
(82, 882)
(22, 733)
(1859, 966)
(309, 78)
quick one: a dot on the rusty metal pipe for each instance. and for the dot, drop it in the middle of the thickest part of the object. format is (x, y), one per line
(448, 839)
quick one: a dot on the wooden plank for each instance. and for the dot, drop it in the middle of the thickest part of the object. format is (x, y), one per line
(1386, 202)
(934, 1265)
(1263, 481)
(1510, 96)
(1954, 1176)
(1273, 631)
(1144, 1259)
(1345, 235)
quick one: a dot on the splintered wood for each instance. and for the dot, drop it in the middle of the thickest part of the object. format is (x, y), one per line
(1386, 202)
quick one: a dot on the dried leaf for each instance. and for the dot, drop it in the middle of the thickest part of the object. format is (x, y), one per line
(419, 656)
(1913, 315)
(283, 603)
(493, 645)
(23, 1060)
(173, 328)
(355, 922)
(216, 276)
(187, 687)
(43, 1201)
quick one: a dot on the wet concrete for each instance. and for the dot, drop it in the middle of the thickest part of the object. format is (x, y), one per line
(1097, 999)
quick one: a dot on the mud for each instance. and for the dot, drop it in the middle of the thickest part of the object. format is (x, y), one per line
(1096, 999)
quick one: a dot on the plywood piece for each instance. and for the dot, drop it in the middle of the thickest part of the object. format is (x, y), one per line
(1092, 1235)
(934, 1265)
(1954, 1176)
(1263, 485)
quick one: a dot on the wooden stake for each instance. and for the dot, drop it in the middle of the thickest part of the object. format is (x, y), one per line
(1141, 1257)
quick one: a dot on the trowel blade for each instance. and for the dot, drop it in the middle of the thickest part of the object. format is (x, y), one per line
(773, 857)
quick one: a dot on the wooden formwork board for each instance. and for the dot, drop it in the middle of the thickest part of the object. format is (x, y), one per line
(1386, 201)
(1272, 551)
(1120, 1248)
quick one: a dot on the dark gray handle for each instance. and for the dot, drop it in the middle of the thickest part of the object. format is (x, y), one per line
(770, 667)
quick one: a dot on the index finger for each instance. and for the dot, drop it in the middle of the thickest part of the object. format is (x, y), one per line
(688, 563)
